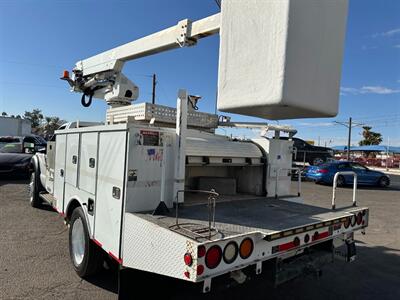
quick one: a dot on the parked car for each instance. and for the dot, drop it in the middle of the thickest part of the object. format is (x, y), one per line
(325, 173)
(305, 152)
(16, 152)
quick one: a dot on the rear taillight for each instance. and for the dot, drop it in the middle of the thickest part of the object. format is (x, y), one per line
(359, 218)
(246, 248)
(347, 222)
(231, 251)
(306, 238)
(322, 171)
(353, 220)
(213, 257)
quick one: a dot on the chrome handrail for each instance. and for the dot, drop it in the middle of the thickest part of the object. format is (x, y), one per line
(335, 178)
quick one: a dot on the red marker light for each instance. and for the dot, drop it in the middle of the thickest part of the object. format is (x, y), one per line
(200, 269)
(188, 259)
(201, 251)
(359, 218)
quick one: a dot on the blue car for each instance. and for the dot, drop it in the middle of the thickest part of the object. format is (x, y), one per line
(324, 173)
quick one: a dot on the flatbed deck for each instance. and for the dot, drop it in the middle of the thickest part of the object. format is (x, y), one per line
(265, 215)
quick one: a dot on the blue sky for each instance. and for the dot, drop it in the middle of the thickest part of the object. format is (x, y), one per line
(38, 39)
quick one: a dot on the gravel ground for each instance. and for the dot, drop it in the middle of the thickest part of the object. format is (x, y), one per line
(34, 259)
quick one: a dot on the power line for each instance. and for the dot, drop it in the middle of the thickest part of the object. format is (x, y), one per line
(349, 125)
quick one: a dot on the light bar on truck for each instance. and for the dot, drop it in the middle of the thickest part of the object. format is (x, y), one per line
(337, 223)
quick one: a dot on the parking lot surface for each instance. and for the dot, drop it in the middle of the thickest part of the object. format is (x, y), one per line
(34, 258)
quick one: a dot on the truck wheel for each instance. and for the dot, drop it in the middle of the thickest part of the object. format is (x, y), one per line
(85, 255)
(384, 181)
(34, 185)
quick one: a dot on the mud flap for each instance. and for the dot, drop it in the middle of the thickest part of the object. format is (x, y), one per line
(132, 284)
(310, 264)
(347, 252)
(351, 251)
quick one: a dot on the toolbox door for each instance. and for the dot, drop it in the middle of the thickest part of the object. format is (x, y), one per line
(59, 170)
(110, 190)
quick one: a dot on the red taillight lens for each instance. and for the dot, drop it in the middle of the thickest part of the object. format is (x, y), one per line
(188, 259)
(246, 248)
(213, 257)
(201, 251)
(359, 218)
(323, 171)
(200, 269)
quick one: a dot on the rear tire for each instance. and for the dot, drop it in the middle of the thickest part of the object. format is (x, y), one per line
(85, 255)
(34, 188)
(341, 181)
(384, 182)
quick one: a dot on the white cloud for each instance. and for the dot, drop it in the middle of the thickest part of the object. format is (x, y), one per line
(397, 46)
(378, 90)
(388, 33)
(381, 90)
(391, 32)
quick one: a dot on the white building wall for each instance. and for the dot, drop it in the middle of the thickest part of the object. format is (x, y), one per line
(14, 127)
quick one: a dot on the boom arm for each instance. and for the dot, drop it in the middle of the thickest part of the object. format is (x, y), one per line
(100, 76)
(185, 33)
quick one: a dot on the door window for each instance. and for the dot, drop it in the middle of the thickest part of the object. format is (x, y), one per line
(358, 167)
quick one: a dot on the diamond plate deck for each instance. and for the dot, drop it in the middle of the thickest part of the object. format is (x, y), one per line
(248, 215)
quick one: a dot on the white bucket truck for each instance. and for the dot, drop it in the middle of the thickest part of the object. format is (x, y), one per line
(156, 189)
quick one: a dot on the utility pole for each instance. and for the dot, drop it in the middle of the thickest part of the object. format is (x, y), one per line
(349, 139)
(153, 99)
(350, 124)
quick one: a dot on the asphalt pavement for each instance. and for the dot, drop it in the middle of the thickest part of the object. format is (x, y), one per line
(35, 264)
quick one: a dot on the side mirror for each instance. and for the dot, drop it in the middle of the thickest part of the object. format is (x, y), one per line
(29, 148)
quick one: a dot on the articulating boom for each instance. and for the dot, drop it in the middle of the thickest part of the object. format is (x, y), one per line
(100, 76)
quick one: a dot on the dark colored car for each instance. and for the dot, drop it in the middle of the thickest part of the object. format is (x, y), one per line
(325, 172)
(305, 152)
(16, 152)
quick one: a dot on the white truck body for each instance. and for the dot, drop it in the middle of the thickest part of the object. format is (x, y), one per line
(118, 173)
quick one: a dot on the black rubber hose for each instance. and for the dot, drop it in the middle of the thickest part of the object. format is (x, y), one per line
(83, 100)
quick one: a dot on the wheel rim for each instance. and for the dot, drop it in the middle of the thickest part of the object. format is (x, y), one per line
(384, 182)
(340, 181)
(32, 187)
(78, 242)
